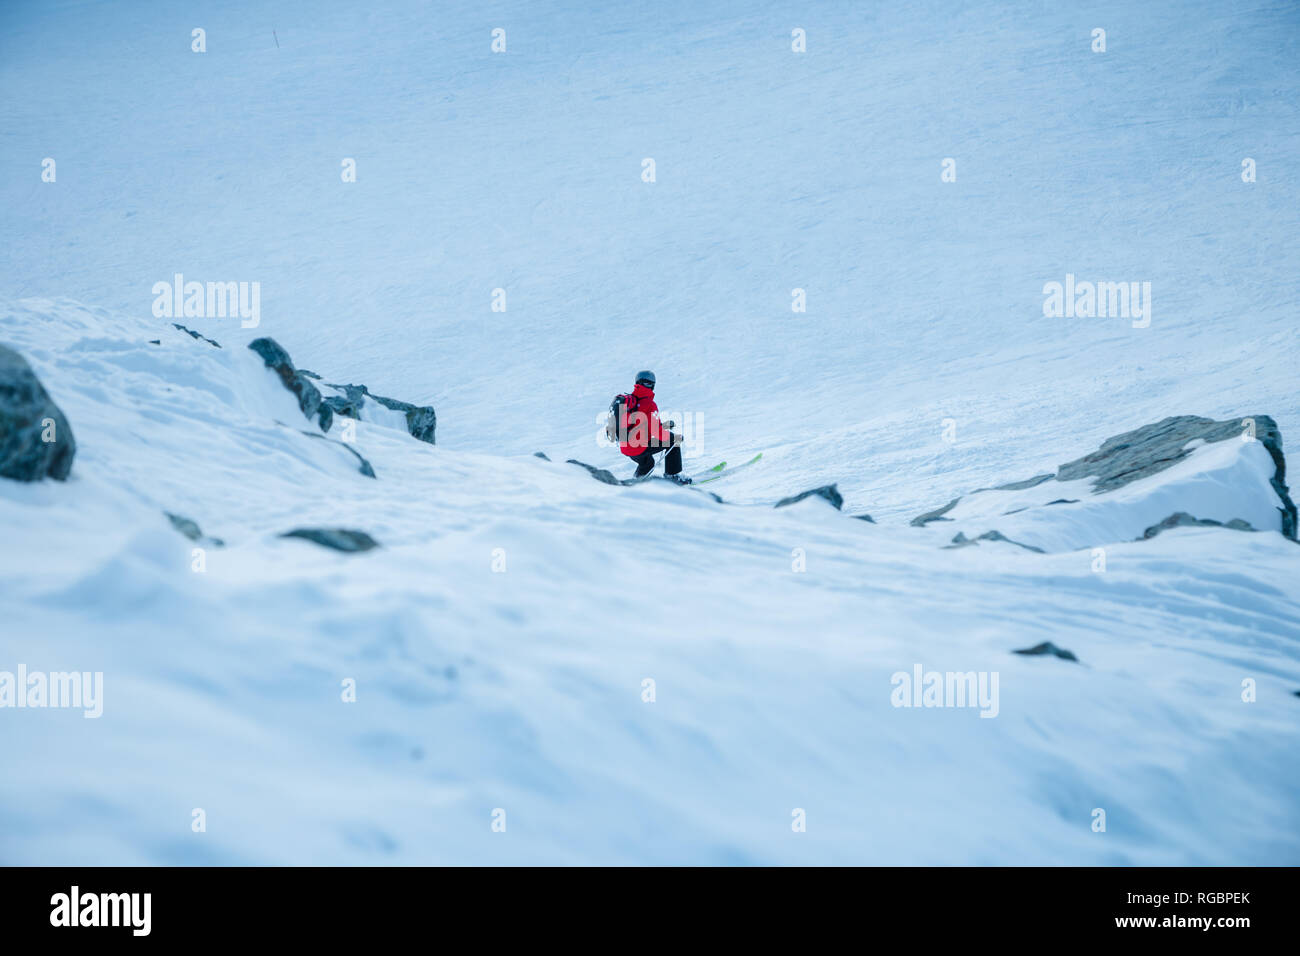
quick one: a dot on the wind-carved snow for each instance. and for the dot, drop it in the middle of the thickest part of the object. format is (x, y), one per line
(522, 689)
(772, 637)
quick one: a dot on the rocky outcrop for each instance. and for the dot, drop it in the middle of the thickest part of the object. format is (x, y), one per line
(195, 335)
(600, 474)
(608, 478)
(191, 530)
(421, 420)
(1181, 519)
(1147, 451)
(541, 455)
(920, 521)
(365, 467)
(961, 541)
(1153, 448)
(36, 440)
(308, 395)
(340, 539)
(829, 492)
(1047, 648)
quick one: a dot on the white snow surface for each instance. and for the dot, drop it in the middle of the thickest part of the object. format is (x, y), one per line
(521, 690)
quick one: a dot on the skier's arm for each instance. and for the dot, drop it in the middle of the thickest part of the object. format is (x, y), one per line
(665, 436)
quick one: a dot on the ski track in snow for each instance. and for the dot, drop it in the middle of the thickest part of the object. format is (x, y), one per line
(522, 690)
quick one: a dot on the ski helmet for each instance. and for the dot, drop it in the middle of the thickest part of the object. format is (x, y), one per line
(646, 378)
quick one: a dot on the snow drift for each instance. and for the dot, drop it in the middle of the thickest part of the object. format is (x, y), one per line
(190, 558)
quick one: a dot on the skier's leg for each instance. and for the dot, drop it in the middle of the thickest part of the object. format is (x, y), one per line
(645, 463)
(673, 461)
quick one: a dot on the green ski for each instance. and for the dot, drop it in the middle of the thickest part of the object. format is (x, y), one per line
(722, 474)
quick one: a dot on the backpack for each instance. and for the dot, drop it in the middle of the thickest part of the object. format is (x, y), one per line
(615, 422)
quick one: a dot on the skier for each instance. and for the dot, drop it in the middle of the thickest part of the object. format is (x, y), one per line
(644, 436)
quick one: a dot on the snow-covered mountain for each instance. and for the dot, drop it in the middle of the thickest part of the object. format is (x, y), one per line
(646, 674)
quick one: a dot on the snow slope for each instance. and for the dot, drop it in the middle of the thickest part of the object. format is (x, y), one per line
(522, 689)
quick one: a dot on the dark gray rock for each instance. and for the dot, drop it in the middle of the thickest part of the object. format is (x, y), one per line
(1047, 647)
(541, 455)
(830, 492)
(608, 478)
(309, 397)
(28, 417)
(365, 468)
(600, 474)
(347, 406)
(703, 491)
(192, 530)
(421, 420)
(1181, 519)
(865, 518)
(961, 541)
(1033, 482)
(340, 539)
(1151, 449)
(194, 335)
(1064, 501)
(921, 521)
(185, 526)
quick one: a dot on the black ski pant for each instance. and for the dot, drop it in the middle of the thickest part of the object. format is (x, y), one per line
(645, 462)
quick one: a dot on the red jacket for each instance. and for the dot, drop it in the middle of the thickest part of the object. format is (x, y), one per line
(640, 424)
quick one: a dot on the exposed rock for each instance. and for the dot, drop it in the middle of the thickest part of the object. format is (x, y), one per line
(608, 477)
(541, 455)
(348, 405)
(155, 341)
(309, 397)
(936, 515)
(703, 491)
(421, 420)
(1033, 482)
(365, 468)
(340, 539)
(1047, 647)
(961, 541)
(194, 335)
(830, 492)
(191, 529)
(865, 518)
(1151, 449)
(1181, 519)
(600, 474)
(36, 440)
(185, 526)
(1064, 501)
